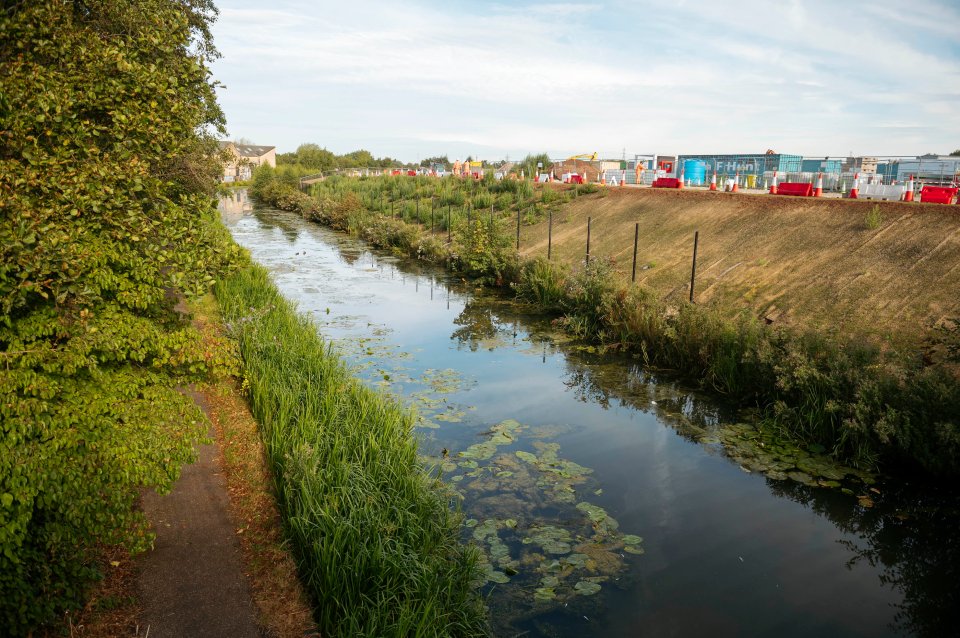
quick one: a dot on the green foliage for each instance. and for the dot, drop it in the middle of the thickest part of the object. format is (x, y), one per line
(311, 158)
(873, 219)
(542, 283)
(106, 171)
(586, 189)
(377, 544)
(529, 164)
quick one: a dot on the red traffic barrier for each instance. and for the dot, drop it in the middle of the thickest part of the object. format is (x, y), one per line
(797, 189)
(937, 194)
(667, 182)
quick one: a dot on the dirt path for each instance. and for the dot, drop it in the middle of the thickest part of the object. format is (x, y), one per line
(193, 583)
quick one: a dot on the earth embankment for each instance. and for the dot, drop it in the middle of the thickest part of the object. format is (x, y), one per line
(883, 267)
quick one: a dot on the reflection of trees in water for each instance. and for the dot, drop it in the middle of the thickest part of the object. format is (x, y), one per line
(599, 378)
(271, 219)
(490, 321)
(911, 535)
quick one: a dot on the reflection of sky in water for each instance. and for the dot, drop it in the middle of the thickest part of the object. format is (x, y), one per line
(724, 555)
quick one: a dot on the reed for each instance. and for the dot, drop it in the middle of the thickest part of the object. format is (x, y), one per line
(375, 536)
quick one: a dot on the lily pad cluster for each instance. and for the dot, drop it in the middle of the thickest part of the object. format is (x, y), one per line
(758, 451)
(530, 517)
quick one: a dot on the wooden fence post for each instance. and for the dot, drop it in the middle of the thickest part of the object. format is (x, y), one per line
(693, 270)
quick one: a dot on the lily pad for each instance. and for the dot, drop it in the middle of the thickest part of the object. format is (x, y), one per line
(586, 588)
(544, 594)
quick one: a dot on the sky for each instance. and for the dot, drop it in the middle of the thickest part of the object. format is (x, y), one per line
(412, 79)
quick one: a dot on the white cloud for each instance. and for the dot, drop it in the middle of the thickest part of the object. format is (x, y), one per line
(688, 76)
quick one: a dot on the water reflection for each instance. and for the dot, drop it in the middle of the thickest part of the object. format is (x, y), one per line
(235, 205)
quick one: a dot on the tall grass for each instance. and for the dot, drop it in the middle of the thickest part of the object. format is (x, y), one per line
(374, 534)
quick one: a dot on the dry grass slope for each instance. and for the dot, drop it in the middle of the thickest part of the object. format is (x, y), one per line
(792, 260)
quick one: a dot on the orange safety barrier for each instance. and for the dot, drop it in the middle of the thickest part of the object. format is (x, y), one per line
(797, 189)
(667, 182)
(937, 194)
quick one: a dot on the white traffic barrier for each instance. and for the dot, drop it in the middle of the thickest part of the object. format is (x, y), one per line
(885, 192)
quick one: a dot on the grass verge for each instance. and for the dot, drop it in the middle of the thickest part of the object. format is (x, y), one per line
(375, 536)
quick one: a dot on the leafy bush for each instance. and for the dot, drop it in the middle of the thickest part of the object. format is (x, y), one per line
(105, 186)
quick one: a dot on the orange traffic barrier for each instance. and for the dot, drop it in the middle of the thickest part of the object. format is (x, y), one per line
(818, 191)
(937, 194)
(908, 195)
(773, 184)
(855, 189)
(713, 181)
(666, 182)
(798, 189)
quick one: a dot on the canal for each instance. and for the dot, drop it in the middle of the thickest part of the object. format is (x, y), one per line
(601, 492)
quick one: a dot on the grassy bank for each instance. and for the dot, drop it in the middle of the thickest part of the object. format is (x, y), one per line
(375, 537)
(863, 400)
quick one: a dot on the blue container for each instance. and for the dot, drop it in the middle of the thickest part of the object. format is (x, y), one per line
(695, 171)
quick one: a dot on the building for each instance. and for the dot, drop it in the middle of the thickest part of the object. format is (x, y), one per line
(747, 164)
(865, 165)
(244, 158)
(939, 169)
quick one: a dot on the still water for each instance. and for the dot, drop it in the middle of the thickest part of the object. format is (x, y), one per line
(601, 506)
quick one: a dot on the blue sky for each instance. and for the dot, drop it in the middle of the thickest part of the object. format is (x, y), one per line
(414, 79)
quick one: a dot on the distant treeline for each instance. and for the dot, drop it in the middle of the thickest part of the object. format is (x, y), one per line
(313, 157)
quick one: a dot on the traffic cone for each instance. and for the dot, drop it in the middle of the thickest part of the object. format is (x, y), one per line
(773, 184)
(623, 178)
(736, 182)
(680, 183)
(908, 196)
(603, 178)
(818, 191)
(713, 181)
(855, 190)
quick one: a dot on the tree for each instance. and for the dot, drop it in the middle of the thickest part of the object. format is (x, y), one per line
(529, 163)
(440, 159)
(956, 153)
(107, 166)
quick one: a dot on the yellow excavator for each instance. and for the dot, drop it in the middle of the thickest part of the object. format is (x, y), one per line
(578, 178)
